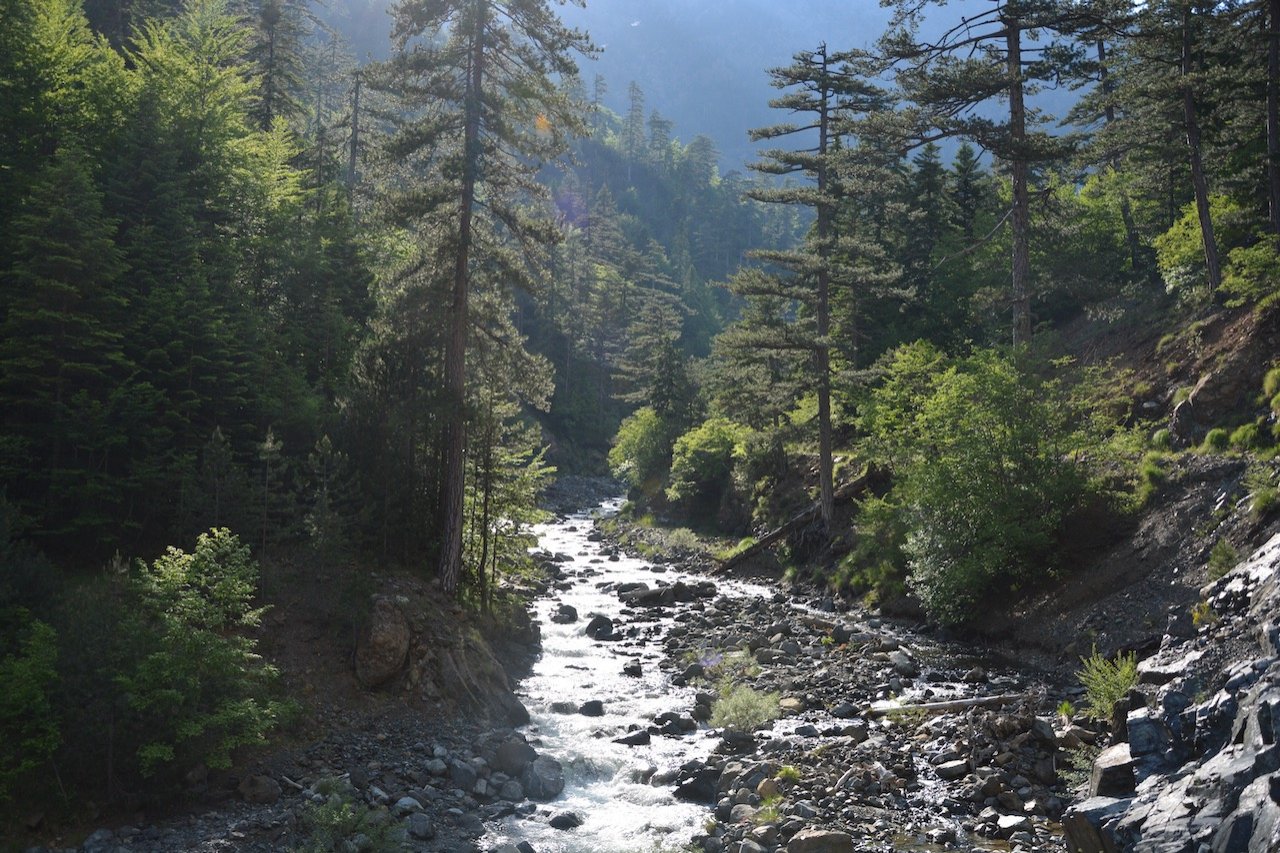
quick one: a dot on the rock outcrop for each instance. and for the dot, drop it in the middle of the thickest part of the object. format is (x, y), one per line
(1206, 774)
(385, 644)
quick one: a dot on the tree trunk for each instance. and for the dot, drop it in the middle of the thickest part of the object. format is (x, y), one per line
(456, 346)
(1021, 214)
(1273, 112)
(822, 353)
(1126, 207)
(354, 151)
(1198, 181)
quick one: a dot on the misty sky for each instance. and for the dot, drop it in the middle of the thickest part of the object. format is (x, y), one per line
(702, 63)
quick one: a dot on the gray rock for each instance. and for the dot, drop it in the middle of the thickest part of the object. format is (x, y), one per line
(640, 737)
(812, 840)
(513, 755)
(262, 790)
(511, 791)
(565, 820)
(599, 628)
(420, 827)
(384, 644)
(565, 614)
(463, 775)
(1112, 773)
(406, 805)
(951, 770)
(591, 708)
(903, 664)
(543, 779)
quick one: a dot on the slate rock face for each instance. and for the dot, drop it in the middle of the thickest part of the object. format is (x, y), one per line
(1207, 775)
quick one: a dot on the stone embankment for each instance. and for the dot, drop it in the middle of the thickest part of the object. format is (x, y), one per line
(1196, 762)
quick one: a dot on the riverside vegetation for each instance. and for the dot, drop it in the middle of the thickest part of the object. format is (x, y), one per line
(285, 332)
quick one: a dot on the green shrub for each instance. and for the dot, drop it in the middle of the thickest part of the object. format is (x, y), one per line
(341, 824)
(641, 451)
(1151, 475)
(1260, 481)
(1106, 682)
(1222, 558)
(1203, 614)
(1271, 384)
(789, 774)
(702, 465)
(988, 486)
(1275, 404)
(877, 564)
(1246, 437)
(1162, 439)
(29, 732)
(1180, 252)
(742, 708)
(1216, 440)
(200, 690)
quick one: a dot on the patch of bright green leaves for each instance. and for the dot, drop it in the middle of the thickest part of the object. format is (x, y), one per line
(200, 688)
(981, 451)
(1106, 681)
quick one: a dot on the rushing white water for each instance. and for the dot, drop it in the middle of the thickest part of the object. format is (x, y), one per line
(606, 784)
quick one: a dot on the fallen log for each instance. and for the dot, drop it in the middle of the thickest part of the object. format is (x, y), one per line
(952, 705)
(849, 490)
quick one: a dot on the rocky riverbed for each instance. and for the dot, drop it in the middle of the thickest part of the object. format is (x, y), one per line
(887, 736)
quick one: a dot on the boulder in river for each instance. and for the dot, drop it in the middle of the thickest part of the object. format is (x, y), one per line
(599, 628)
(543, 779)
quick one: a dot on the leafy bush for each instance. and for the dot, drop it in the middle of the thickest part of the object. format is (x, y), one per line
(1271, 383)
(1246, 437)
(200, 689)
(1106, 682)
(877, 563)
(1151, 474)
(983, 471)
(1180, 251)
(29, 732)
(341, 823)
(742, 708)
(702, 465)
(1162, 439)
(641, 451)
(1222, 558)
(1216, 440)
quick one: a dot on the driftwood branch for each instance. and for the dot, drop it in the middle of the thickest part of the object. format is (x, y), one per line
(847, 491)
(952, 705)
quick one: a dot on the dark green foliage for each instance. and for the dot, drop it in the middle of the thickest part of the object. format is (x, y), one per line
(29, 732)
(1223, 557)
(1216, 440)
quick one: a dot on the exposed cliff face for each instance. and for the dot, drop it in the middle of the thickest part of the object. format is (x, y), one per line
(1198, 762)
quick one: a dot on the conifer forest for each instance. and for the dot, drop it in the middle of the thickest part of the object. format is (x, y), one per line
(287, 310)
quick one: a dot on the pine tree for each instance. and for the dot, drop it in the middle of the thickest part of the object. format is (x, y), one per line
(61, 356)
(829, 90)
(949, 81)
(481, 100)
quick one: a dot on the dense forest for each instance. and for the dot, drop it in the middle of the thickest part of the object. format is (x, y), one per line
(269, 304)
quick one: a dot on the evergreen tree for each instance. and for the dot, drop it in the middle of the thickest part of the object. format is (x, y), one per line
(949, 80)
(481, 100)
(61, 356)
(829, 91)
